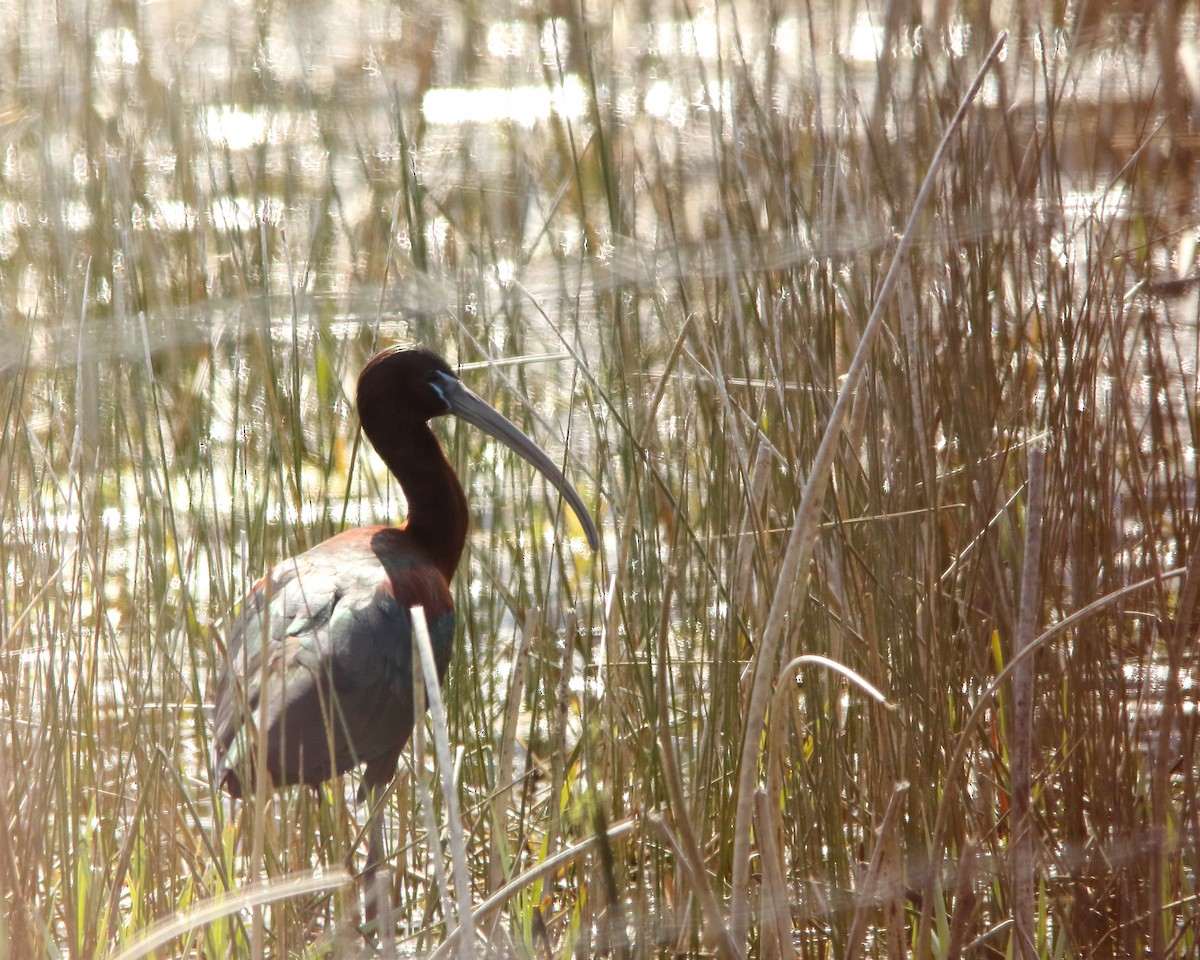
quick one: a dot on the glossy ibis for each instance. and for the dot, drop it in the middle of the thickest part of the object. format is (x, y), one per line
(318, 672)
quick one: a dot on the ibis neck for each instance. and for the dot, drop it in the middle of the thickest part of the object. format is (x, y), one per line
(437, 507)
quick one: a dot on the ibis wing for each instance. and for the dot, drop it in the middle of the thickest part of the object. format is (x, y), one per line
(319, 671)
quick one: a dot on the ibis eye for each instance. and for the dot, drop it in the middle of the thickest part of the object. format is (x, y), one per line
(437, 380)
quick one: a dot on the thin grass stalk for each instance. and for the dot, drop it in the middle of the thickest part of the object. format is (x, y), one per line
(892, 869)
(965, 902)
(801, 543)
(263, 798)
(423, 780)
(441, 745)
(775, 911)
(868, 893)
(500, 856)
(1165, 819)
(1021, 855)
(615, 929)
(681, 813)
(558, 750)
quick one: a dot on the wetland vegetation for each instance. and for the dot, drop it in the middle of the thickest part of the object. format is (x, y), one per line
(653, 234)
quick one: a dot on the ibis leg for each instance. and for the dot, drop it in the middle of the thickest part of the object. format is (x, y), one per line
(377, 888)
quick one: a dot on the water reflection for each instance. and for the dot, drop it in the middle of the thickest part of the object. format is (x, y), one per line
(523, 106)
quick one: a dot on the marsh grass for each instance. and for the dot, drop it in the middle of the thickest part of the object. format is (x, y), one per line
(665, 289)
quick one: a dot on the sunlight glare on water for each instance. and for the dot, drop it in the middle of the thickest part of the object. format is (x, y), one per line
(117, 48)
(522, 105)
(866, 38)
(236, 129)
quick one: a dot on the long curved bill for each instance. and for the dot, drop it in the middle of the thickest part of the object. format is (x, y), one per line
(475, 410)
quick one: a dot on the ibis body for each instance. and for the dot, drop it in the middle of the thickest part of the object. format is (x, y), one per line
(318, 672)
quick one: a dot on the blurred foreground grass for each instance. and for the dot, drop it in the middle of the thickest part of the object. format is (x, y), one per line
(210, 215)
